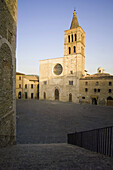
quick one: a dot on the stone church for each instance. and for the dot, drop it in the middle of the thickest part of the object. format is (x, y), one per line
(59, 77)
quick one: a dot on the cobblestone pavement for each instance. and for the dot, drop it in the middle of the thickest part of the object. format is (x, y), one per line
(52, 157)
(51, 121)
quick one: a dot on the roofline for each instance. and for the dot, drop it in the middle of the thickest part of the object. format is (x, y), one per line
(18, 73)
(51, 58)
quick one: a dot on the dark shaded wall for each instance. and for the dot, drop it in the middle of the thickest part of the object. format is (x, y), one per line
(8, 22)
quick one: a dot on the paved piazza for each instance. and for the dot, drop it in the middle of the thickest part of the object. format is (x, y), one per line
(41, 122)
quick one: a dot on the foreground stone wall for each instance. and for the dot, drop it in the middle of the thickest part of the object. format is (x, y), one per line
(8, 13)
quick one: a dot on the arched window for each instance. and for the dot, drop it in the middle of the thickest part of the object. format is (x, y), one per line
(68, 38)
(74, 49)
(72, 37)
(44, 95)
(75, 37)
(69, 50)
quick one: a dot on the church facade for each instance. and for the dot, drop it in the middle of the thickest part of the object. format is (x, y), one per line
(59, 77)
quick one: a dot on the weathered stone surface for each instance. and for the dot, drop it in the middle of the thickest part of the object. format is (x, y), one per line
(52, 157)
(8, 9)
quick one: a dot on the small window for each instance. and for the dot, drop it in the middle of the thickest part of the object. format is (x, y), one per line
(86, 89)
(69, 38)
(110, 83)
(70, 82)
(19, 77)
(86, 83)
(95, 90)
(69, 50)
(75, 37)
(25, 86)
(97, 83)
(109, 90)
(45, 82)
(74, 49)
(71, 72)
(72, 37)
(98, 90)
(31, 86)
(19, 85)
(83, 97)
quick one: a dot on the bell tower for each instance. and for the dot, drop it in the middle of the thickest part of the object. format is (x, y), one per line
(74, 46)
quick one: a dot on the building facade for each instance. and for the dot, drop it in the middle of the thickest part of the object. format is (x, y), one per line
(97, 88)
(19, 85)
(8, 24)
(27, 86)
(59, 78)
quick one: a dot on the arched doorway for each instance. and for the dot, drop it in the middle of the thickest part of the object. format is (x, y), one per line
(19, 95)
(109, 101)
(94, 101)
(56, 94)
(70, 97)
(44, 95)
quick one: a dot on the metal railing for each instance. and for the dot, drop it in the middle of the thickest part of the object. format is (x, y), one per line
(97, 140)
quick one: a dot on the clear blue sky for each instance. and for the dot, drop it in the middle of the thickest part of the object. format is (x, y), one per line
(40, 32)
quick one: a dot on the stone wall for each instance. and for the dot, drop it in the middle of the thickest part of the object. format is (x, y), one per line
(97, 89)
(8, 12)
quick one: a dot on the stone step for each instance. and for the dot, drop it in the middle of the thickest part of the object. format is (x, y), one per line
(52, 156)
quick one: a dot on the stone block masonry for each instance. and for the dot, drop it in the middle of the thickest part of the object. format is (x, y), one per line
(8, 20)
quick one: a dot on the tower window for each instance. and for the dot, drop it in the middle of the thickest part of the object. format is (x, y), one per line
(74, 49)
(72, 37)
(19, 77)
(69, 50)
(68, 38)
(31, 86)
(71, 72)
(75, 37)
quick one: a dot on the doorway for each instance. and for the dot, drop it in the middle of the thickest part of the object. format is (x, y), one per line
(94, 101)
(19, 95)
(56, 94)
(44, 95)
(70, 97)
